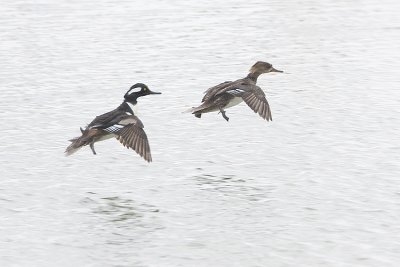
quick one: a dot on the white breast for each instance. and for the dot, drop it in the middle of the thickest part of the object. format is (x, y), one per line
(133, 107)
(105, 137)
(234, 102)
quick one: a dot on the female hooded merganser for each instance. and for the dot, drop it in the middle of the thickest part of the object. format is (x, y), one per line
(120, 123)
(229, 94)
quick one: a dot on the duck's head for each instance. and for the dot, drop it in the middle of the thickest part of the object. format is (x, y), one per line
(263, 67)
(141, 90)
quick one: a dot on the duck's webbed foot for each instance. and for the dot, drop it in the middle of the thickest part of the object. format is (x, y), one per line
(92, 148)
(223, 112)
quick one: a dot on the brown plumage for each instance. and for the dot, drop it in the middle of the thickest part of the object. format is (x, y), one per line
(228, 94)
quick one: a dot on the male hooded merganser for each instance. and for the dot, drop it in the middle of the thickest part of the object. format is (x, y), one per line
(229, 94)
(120, 123)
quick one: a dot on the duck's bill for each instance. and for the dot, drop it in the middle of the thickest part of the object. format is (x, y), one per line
(275, 70)
(154, 93)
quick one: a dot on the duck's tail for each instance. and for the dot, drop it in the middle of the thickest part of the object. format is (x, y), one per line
(73, 147)
(190, 110)
(77, 143)
(197, 111)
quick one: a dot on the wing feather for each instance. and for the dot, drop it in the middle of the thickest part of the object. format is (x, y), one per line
(210, 92)
(256, 100)
(133, 136)
(252, 95)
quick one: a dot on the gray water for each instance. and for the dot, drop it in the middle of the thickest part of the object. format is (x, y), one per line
(318, 186)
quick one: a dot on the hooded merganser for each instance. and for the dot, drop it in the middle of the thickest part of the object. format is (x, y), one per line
(229, 94)
(120, 123)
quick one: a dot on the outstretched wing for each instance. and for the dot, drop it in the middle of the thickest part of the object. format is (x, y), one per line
(254, 97)
(251, 94)
(107, 119)
(210, 92)
(129, 131)
(134, 137)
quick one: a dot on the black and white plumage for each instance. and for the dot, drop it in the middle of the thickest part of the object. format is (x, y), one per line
(229, 94)
(120, 123)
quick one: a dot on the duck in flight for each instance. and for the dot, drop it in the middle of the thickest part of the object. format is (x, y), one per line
(120, 123)
(229, 94)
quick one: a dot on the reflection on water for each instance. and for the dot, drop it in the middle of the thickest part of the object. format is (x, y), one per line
(123, 214)
(118, 209)
(230, 185)
(122, 223)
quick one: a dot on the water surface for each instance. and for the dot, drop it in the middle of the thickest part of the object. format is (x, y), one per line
(318, 186)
